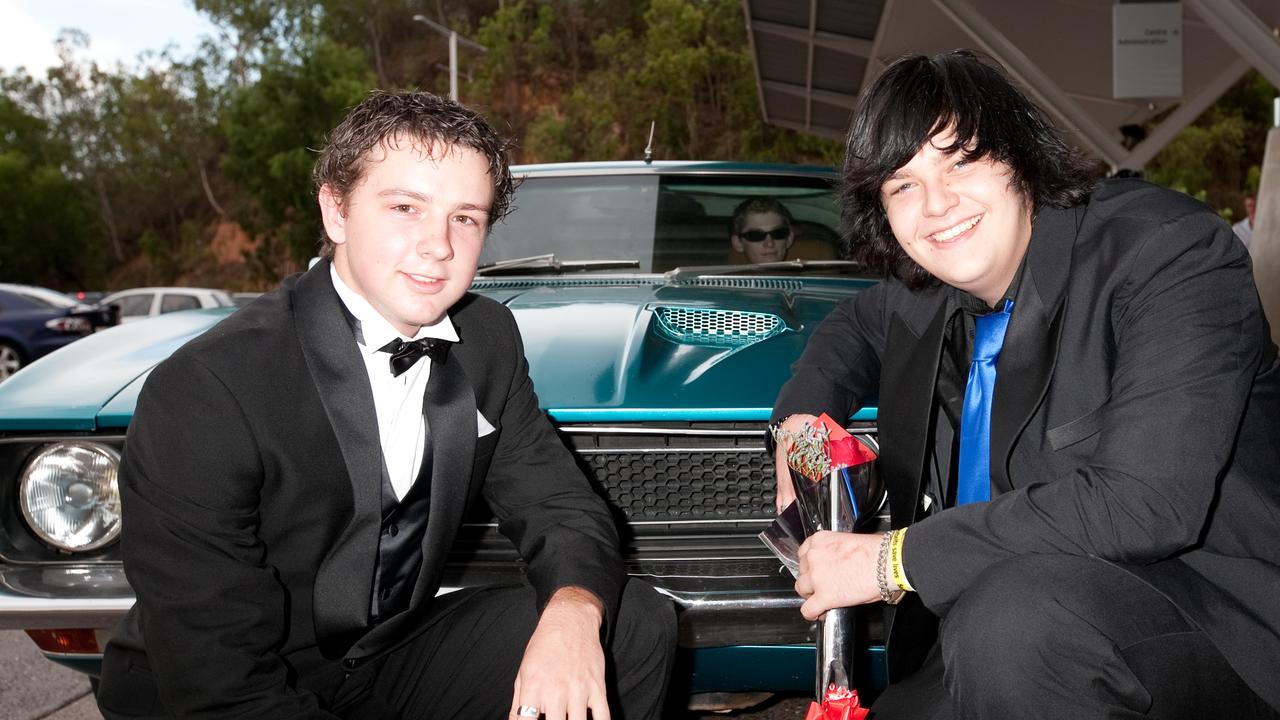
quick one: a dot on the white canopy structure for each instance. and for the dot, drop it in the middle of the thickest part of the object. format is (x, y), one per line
(813, 57)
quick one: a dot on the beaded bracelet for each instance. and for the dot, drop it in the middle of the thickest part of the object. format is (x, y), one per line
(881, 580)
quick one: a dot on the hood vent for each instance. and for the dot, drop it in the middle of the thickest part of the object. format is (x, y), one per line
(748, 282)
(718, 328)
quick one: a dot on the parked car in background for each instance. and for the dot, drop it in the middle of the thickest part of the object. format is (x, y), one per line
(29, 330)
(244, 298)
(87, 296)
(141, 303)
(100, 316)
(655, 348)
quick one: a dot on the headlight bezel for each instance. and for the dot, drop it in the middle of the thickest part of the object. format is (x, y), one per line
(105, 488)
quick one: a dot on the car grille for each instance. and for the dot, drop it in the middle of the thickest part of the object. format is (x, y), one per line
(695, 473)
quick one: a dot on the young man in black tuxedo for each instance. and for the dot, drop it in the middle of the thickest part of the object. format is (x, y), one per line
(1078, 406)
(294, 478)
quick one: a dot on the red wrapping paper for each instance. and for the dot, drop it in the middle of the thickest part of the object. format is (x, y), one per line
(843, 448)
(838, 704)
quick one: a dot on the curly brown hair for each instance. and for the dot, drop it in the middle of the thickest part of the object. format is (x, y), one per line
(386, 118)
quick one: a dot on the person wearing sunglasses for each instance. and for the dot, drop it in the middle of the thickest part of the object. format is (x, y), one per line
(762, 230)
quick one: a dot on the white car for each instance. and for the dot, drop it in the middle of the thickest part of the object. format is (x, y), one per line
(141, 303)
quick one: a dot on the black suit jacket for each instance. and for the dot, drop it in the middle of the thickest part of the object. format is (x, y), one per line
(1136, 415)
(251, 485)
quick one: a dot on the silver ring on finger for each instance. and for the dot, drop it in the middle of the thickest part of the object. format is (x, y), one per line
(528, 711)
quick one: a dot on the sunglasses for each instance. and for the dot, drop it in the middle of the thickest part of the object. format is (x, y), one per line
(754, 236)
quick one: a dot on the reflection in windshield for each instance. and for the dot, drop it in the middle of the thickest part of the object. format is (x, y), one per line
(654, 222)
(588, 217)
(551, 264)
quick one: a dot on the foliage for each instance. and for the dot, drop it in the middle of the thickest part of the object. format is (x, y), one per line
(681, 66)
(1218, 157)
(49, 230)
(272, 128)
(197, 169)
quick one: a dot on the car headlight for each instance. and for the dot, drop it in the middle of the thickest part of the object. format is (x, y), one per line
(70, 495)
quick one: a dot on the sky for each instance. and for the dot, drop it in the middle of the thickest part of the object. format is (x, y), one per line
(118, 29)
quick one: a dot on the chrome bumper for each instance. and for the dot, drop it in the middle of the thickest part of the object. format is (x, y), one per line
(719, 603)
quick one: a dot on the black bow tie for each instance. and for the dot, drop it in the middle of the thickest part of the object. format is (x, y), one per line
(405, 354)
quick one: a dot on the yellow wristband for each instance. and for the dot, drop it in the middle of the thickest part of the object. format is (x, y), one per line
(895, 560)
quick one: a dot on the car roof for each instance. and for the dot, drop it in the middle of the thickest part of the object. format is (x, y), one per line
(173, 288)
(660, 167)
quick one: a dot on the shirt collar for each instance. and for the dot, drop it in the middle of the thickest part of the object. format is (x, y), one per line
(372, 330)
(976, 306)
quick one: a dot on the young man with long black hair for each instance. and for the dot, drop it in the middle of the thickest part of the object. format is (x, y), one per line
(1079, 403)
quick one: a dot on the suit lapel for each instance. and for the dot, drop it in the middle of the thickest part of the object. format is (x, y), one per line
(910, 370)
(1030, 350)
(343, 585)
(450, 409)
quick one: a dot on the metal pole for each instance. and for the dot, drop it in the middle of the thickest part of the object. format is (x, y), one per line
(453, 65)
(454, 40)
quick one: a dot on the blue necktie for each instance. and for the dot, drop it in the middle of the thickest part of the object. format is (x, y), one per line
(974, 483)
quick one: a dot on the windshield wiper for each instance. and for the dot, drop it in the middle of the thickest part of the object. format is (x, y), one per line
(550, 264)
(681, 273)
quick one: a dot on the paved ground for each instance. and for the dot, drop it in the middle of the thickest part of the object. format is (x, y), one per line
(32, 688)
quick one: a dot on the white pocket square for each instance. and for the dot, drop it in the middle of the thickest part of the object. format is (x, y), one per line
(482, 425)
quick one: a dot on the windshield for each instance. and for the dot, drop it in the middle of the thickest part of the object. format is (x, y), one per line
(668, 221)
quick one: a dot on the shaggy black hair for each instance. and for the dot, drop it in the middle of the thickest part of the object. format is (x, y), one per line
(919, 97)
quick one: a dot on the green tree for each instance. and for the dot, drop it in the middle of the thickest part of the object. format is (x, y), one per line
(48, 227)
(272, 129)
(682, 65)
(1218, 157)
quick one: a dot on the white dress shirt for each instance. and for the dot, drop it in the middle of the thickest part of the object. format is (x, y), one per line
(1244, 231)
(397, 400)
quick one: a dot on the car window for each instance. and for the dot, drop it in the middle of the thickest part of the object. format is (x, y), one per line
(10, 301)
(38, 301)
(660, 221)
(134, 305)
(41, 297)
(579, 218)
(695, 218)
(173, 303)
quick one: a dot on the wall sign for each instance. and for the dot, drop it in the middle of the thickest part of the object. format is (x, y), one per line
(1146, 59)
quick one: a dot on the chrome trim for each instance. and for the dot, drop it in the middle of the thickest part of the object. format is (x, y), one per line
(26, 613)
(721, 521)
(605, 430)
(651, 430)
(665, 450)
(87, 437)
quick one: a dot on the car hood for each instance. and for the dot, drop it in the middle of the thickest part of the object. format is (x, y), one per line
(599, 349)
(715, 348)
(93, 383)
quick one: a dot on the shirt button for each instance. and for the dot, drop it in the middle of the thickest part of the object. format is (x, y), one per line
(393, 530)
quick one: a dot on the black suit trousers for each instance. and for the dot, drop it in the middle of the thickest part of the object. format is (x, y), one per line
(463, 665)
(1054, 636)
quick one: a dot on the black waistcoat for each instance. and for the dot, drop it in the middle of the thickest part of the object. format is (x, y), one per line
(404, 524)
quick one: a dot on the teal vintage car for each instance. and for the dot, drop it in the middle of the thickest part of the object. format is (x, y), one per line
(655, 345)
